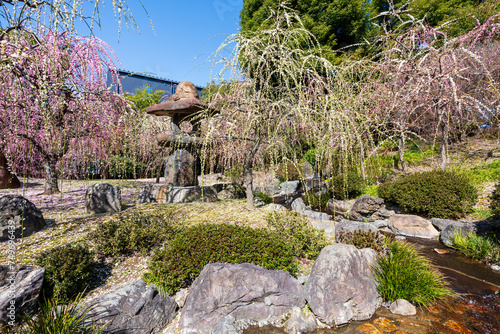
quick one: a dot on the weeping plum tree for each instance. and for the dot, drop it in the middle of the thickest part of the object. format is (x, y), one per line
(53, 98)
(431, 84)
(282, 93)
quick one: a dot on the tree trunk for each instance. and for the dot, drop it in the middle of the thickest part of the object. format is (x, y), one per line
(401, 151)
(7, 179)
(444, 145)
(51, 187)
(247, 171)
(362, 162)
(247, 174)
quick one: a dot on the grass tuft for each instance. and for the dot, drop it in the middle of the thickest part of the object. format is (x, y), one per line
(405, 274)
(484, 248)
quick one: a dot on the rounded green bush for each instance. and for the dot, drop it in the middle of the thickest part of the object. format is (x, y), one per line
(438, 194)
(135, 232)
(495, 201)
(405, 274)
(184, 257)
(346, 186)
(68, 270)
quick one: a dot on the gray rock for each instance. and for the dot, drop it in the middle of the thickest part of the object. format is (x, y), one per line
(338, 207)
(449, 232)
(441, 224)
(226, 326)
(274, 207)
(102, 198)
(307, 170)
(315, 215)
(402, 307)
(133, 308)
(351, 226)
(299, 205)
(258, 202)
(180, 297)
(495, 267)
(302, 279)
(400, 237)
(340, 287)
(148, 193)
(180, 169)
(368, 208)
(289, 187)
(380, 223)
(170, 194)
(229, 191)
(412, 226)
(328, 226)
(300, 322)
(18, 218)
(243, 291)
(20, 288)
(270, 190)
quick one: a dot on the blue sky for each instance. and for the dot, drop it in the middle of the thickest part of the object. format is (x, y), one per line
(184, 31)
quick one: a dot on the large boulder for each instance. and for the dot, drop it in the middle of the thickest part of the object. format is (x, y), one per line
(102, 198)
(352, 226)
(237, 292)
(7, 179)
(338, 207)
(20, 288)
(180, 169)
(341, 287)
(369, 208)
(441, 224)
(170, 194)
(18, 218)
(299, 206)
(289, 187)
(133, 308)
(148, 193)
(412, 226)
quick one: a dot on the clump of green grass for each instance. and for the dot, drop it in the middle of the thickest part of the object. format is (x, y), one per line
(56, 318)
(405, 274)
(483, 248)
(266, 198)
(489, 172)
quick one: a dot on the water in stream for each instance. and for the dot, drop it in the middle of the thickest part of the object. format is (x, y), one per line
(476, 309)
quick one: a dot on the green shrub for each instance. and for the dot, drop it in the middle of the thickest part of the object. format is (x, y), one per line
(345, 186)
(288, 171)
(184, 257)
(310, 157)
(124, 167)
(266, 198)
(68, 270)
(483, 248)
(296, 231)
(405, 274)
(363, 239)
(495, 201)
(316, 201)
(135, 232)
(438, 194)
(54, 318)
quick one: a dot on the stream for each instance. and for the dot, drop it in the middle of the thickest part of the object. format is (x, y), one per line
(475, 309)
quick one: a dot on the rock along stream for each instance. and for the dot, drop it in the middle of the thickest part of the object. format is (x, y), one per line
(475, 309)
